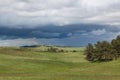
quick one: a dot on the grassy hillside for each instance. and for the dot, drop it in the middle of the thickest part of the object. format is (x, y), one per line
(38, 64)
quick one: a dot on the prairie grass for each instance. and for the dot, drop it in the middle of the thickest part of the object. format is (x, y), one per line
(38, 64)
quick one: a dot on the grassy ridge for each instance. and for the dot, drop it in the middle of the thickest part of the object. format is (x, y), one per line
(35, 64)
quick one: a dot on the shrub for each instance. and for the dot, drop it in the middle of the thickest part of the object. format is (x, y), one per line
(52, 49)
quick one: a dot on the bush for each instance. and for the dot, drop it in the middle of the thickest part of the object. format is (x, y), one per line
(74, 51)
(52, 49)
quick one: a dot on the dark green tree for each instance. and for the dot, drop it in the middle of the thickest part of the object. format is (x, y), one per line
(89, 52)
(104, 51)
(116, 45)
(101, 51)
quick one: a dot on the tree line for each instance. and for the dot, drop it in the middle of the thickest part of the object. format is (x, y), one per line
(103, 51)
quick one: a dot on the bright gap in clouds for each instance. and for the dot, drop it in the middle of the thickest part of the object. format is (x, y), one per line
(18, 42)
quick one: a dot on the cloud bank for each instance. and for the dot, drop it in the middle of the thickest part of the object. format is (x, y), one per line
(57, 22)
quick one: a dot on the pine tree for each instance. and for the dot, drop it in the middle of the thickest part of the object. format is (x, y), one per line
(89, 52)
(116, 45)
(103, 51)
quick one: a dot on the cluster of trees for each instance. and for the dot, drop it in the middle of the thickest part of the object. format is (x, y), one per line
(103, 51)
(57, 50)
(53, 49)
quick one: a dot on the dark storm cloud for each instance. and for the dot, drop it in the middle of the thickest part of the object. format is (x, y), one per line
(66, 22)
(52, 31)
(68, 35)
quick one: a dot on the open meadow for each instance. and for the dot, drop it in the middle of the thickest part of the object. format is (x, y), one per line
(39, 64)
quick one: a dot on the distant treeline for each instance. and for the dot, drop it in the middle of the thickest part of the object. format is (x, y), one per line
(103, 51)
(57, 50)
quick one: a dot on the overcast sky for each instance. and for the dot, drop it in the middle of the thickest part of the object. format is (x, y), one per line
(58, 22)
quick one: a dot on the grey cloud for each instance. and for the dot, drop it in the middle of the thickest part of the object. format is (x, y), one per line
(69, 35)
(36, 12)
(60, 21)
(99, 32)
(53, 31)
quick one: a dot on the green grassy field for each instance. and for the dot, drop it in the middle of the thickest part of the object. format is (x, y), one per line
(36, 64)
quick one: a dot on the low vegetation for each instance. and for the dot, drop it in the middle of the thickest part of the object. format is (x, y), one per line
(53, 49)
